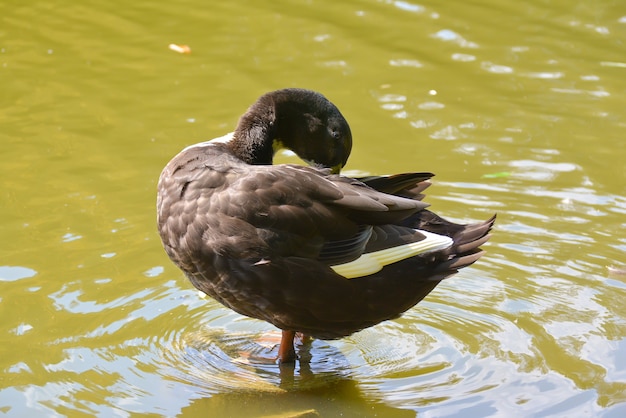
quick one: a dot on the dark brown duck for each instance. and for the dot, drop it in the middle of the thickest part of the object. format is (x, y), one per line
(304, 248)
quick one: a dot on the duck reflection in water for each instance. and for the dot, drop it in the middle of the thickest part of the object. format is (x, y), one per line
(239, 377)
(304, 248)
(311, 392)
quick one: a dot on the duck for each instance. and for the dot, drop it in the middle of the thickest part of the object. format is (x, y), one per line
(303, 247)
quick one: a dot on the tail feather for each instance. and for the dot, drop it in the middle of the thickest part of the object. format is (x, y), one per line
(467, 238)
(461, 261)
(469, 246)
(473, 235)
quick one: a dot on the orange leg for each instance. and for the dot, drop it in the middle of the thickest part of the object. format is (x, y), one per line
(286, 351)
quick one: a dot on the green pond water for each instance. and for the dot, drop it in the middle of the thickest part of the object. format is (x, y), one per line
(518, 107)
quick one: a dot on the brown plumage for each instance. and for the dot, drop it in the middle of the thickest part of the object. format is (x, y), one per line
(265, 240)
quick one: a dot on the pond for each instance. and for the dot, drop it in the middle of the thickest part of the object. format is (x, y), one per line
(518, 107)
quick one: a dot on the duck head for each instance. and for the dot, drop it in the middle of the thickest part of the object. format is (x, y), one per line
(301, 120)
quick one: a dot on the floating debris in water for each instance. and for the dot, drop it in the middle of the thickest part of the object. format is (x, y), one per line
(181, 49)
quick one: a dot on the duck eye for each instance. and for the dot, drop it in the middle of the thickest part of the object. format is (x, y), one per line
(335, 131)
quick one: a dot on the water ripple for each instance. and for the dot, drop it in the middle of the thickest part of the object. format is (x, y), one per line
(516, 106)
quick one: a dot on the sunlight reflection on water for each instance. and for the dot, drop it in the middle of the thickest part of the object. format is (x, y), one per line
(516, 106)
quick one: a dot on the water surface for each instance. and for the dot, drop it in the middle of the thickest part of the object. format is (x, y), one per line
(518, 108)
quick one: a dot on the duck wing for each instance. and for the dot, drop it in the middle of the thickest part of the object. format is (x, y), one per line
(293, 207)
(211, 200)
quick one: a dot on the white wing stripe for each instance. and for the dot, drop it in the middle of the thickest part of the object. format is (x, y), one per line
(375, 261)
